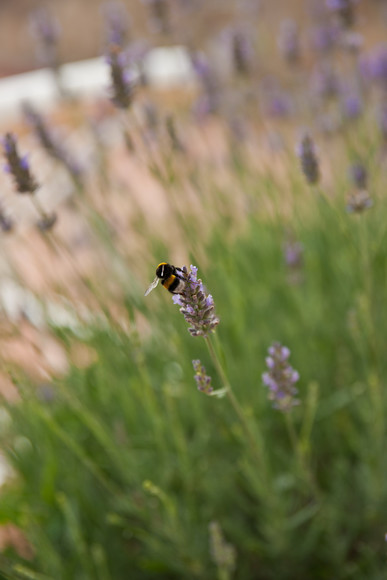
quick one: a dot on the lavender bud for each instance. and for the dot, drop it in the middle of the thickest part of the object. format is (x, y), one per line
(174, 138)
(241, 51)
(309, 163)
(47, 222)
(223, 554)
(197, 307)
(159, 15)
(6, 224)
(352, 106)
(358, 175)
(374, 66)
(343, 11)
(359, 202)
(122, 86)
(288, 41)
(46, 30)
(293, 253)
(325, 83)
(50, 144)
(18, 166)
(324, 38)
(280, 378)
(203, 381)
(117, 23)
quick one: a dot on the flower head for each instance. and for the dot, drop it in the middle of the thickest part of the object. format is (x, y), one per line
(122, 85)
(50, 143)
(46, 30)
(222, 553)
(280, 378)
(18, 166)
(343, 10)
(117, 22)
(309, 163)
(6, 223)
(359, 201)
(288, 41)
(358, 175)
(197, 307)
(203, 381)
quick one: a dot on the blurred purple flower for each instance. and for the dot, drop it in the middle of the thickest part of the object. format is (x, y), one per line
(280, 378)
(359, 201)
(324, 81)
(18, 166)
(324, 38)
(374, 66)
(382, 120)
(203, 381)
(159, 11)
(6, 223)
(306, 151)
(351, 106)
(122, 81)
(46, 30)
(343, 10)
(278, 104)
(358, 175)
(51, 144)
(241, 50)
(117, 23)
(288, 41)
(293, 253)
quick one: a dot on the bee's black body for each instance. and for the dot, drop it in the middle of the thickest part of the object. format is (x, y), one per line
(172, 278)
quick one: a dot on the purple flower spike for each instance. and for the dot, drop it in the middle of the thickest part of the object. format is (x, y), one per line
(280, 378)
(122, 86)
(51, 144)
(343, 10)
(309, 163)
(288, 41)
(46, 30)
(358, 175)
(197, 307)
(203, 381)
(117, 23)
(18, 166)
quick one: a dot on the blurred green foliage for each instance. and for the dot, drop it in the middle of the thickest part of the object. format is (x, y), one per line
(120, 468)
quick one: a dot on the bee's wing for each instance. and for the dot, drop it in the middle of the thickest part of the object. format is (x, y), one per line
(152, 286)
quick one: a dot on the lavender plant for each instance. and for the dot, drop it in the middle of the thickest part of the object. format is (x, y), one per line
(306, 152)
(122, 81)
(51, 144)
(281, 378)
(203, 381)
(25, 182)
(197, 306)
(18, 166)
(46, 30)
(117, 23)
(223, 554)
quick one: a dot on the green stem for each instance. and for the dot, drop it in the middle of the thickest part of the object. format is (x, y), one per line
(300, 454)
(234, 401)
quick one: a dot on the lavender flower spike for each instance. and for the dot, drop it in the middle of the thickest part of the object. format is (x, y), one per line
(203, 381)
(18, 166)
(122, 86)
(280, 378)
(309, 163)
(197, 307)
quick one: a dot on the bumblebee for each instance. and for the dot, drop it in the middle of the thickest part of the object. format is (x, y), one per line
(172, 279)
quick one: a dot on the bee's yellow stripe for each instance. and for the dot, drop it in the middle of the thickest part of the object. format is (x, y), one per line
(168, 283)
